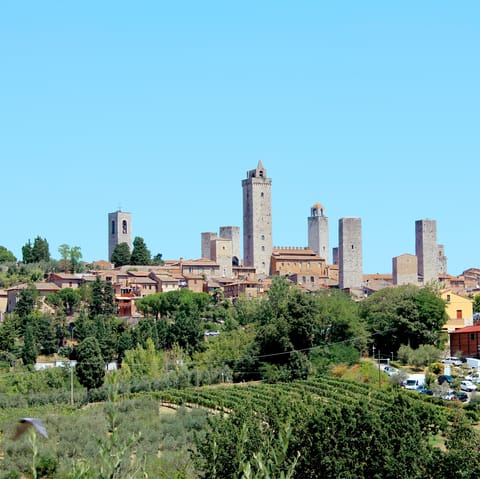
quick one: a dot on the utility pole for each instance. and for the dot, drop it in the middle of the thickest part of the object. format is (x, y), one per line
(71, 383)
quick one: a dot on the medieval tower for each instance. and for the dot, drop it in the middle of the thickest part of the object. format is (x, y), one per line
(207, 238)
(350, 263)
(232, 233)
(257, 220)
(427, 250)
(119, 230)
(318, 232)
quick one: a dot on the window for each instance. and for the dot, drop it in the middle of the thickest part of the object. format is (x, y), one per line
(124, 227)
(262, 194)
(459, 314)
(448, 298)
(262, 237)
(263, 248)
(473, 336)
(113, 227)
(312, 279)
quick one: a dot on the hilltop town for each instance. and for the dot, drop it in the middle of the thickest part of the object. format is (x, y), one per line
(223, 265)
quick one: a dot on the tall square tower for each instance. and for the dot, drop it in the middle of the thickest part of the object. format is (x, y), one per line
(318, 232)
(119, 230)
(257, 220)
(350, 253)
(426, 249)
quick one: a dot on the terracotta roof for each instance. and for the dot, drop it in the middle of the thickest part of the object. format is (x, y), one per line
(467, 329)
(41, 286)
(67, 276)
(199, 262)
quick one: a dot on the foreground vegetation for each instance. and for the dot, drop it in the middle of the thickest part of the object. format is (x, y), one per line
(173, 410)
(322, 427)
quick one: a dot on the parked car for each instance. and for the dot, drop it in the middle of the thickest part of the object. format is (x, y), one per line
(461, 396)
(473, 376)
(445, 378)
(390, 370)
(468, 386)
(424, 390)
(452, 360)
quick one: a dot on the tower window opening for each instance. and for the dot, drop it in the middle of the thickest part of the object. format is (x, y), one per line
(262, 194)
(124, 227)
(113, 227)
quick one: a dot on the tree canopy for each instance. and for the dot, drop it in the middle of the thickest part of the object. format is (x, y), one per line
(405, 315)
(90, 368)
(37, 252)
(140, 253)
(121, 255)
(6, 256)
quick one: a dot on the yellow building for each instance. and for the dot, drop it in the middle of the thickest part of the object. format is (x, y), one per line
(459, 310)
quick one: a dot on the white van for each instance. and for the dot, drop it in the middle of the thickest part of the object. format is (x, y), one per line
(414, 381)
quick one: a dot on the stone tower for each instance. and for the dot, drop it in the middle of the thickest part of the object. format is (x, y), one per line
(350, 253)
(207, 238)
(119, 230)
(232, 233)
(221, 253)
(405, 269)
(318, 232)
(257, 220)
(426, 249)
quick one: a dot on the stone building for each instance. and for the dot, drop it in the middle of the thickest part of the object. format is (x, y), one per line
(405, 269)
(207, 238)
(257, 220)
(232, 233)
(302, 265)
(350, 259)
(318, 232)
(426, 249)
(221, 253)
(119, 230)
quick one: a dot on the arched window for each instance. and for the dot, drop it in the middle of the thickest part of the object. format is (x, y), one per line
(113, 227)
(124, 227)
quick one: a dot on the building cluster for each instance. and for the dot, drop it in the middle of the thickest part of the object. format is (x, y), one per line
(242, 261)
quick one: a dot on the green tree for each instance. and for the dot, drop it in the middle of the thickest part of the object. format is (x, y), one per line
(64, 300)
(90, 368)
(157, 260)
(404, 315)
(476, 303)
(64, 251)
(44, 332)
(27, 301)
(27, 253)
(102, 298)
(140, 253)
(143, 362)
(75, 256)
(40, 250)
(8, 334)
(121, 255)
(6, 256)
(29, 351)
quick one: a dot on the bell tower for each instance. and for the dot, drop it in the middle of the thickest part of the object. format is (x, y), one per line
(119, 230)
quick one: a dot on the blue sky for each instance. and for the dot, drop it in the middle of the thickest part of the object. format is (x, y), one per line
(370, 108)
